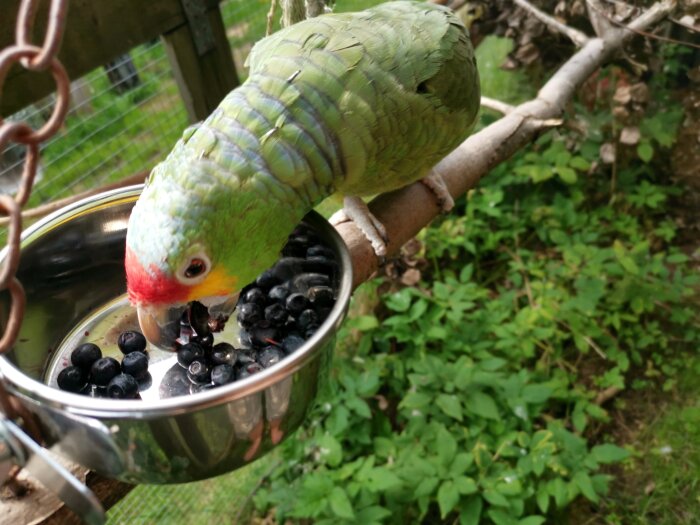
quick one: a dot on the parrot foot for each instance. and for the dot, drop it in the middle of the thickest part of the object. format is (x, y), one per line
(356, 210)
(436, 184)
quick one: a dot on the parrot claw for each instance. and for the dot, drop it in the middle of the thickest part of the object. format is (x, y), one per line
(436, 184)
(356, 210)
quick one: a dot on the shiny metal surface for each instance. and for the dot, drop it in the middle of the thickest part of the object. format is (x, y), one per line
(52, 474)
(72, 266)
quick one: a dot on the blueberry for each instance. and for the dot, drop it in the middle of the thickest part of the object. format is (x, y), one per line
(135, 364)
(279, 293)
(122, 386)
(198, 372)
(245, 358)
(323, 313)
(276, 314)
(305, 281)
(195, 388)
(305, 237)
(222, 374)
(245, 339)
(267, 280)
(85, 355)
(248, 370)
(287, 267)
(307, 318)
(199, 318)
(294, 248)
(292, 343)
(320, 264)
(249, 314)
(205, 341)
(270, 355)
(254, 295)
(310, 331)
(263, 333)
(223, 354)
(131, 342)
(319, 250)
(71, 379)
(103, 370)
(188, 353)
(296, 303)
(321, 296)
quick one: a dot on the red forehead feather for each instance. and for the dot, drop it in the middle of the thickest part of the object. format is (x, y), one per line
(151, 287)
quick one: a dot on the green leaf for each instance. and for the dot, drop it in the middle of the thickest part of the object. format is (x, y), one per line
(447, 445)
(536, 393)
(566, 174)
(359, 406)
(400, 301)
(543, 498)
(372, 514)
(426, 487)
(580, 164)
(471, 511)
(381, 478)
(447, 498)
(625, 260)
(482, 405)
(532, 520)
(609, 453)
(461, 463)
(340, 504)
(558, 489)
(583, 482)
(330, 450)
(465, 485)
(495, 498)
(450, 405)
(365, 323)
(500, 517)
(645, 151)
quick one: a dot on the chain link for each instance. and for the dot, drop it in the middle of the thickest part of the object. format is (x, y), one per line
(33, 58)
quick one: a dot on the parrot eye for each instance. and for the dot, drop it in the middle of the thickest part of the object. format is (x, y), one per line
(196, 268)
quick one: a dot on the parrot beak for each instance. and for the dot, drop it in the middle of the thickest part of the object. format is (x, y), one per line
(160, 324)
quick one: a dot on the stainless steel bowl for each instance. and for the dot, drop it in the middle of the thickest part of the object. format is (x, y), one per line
(72, 266)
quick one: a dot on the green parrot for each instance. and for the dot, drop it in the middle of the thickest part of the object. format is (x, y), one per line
(356, 103)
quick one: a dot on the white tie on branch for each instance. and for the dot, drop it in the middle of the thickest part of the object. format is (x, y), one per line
(406, 211)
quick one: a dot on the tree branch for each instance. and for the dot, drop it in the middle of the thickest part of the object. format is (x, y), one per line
(496, 105)
(406, 211)
(576, 36)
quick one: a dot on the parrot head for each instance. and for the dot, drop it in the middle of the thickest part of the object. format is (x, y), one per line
(193, 238)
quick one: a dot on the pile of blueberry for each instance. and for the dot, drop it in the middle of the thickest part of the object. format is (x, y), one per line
(277, 313)
(97, 376)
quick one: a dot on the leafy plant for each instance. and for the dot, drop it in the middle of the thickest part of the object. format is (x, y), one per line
(475, 396)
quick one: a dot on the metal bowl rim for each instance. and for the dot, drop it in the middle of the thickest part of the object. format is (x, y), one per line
(25, 386)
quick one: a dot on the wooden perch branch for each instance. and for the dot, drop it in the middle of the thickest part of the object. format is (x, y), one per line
(406, 211)
(496, 105)
(576, 36)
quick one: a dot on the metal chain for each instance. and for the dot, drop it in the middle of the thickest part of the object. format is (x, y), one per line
(33, 58)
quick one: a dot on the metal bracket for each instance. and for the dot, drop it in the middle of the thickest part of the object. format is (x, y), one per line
(198, 20)
(16, 447)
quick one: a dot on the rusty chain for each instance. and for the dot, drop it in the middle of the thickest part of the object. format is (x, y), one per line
(33, 58)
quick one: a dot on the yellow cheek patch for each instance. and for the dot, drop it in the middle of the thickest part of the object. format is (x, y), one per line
(218, 282)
